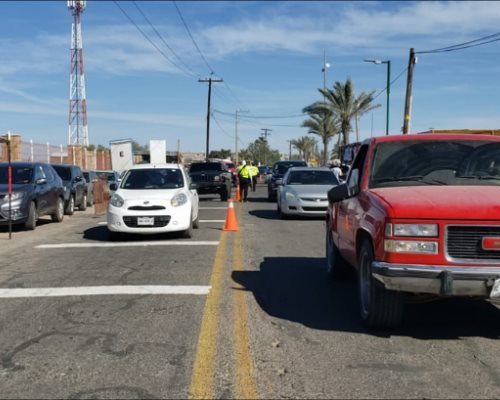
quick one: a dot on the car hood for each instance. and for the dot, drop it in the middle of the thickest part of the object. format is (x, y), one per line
(16, 188)
(148, 194)
(317, 191)
(442, 202)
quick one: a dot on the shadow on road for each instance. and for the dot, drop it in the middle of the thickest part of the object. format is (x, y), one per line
(297, 289)
(101, 234)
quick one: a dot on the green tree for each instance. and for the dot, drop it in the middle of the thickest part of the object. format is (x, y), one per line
(342, 102)
(322, 122)
(136, 147)
(306, 146)
(259, 152)
(222, 153)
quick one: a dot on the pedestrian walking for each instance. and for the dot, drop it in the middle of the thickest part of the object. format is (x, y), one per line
(254, 174)
(244, 177)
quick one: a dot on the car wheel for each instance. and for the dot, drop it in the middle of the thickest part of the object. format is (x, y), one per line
(58, 215)
(196, 222)
(188, 233)
(30, 223)
(70, 208)
(281, 214)
(336, 266)
(380, 308)
(83, 204)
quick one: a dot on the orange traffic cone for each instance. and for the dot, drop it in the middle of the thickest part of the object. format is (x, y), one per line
(231, 224)
(237, 196)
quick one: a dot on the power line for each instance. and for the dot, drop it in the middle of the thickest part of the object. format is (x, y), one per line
(472, 43)
(263, 117)
(192, 38)
(394, 80)
(164, 41)
(147, 37)
(221, 128)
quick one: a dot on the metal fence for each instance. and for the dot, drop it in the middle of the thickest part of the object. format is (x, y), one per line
(42, 152)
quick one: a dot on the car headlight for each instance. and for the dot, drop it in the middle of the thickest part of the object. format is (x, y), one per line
(410, 246)
(14, 196)
(179, 199)
(216, 178)
(116, 200)
(290, 196)
(427, 230)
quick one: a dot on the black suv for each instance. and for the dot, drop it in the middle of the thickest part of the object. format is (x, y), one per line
(211, 177)
(36, 190)
(278, 171)
(75, 194)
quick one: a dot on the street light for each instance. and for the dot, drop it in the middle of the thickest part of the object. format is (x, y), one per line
(325, 67)
(388, 62)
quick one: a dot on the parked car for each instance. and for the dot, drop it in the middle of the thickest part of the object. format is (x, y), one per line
(232, 169)
(153, 198)
(418, 214)
(211, 177)
(303, 191)
(266, 172)
(111, 177)
(37, 190)
(91, 178)
(278, 171)
(75, 194)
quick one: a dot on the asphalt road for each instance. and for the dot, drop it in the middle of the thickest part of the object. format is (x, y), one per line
(272, 325)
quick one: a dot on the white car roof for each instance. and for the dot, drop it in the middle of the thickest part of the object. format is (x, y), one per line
(149, 166)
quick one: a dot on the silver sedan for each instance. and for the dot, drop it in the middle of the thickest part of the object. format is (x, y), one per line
(303, 191)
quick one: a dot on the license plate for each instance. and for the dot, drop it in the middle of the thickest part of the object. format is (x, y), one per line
(495, 292)
(145, 220)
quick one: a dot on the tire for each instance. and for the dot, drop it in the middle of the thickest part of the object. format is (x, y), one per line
(58, 215)
(70, 207)
(336, 267)
(30, 223)
(380, 308)
(83, 204)
(188, 233)
(281, 214)
(196, 222)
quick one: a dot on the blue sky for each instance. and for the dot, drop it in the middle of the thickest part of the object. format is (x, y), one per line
(269, 54)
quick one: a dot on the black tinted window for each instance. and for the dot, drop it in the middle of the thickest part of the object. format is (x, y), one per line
(206, 167)
(63, 172)
(20, 175)
(153, 179)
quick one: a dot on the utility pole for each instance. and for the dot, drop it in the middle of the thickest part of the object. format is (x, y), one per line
(209, 80)
(290, 149)
(265, 134)
(236, 138)
(409, 80)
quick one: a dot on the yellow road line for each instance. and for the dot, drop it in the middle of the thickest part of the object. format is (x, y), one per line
(202, 380)
(245, 387)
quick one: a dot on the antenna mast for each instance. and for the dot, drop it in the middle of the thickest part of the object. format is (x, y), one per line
(78, 131)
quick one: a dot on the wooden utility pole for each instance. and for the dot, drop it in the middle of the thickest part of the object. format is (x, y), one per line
(409, 82)
(209, 80)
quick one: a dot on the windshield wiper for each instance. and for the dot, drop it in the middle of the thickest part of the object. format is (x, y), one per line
(414, 178)
(480, 177)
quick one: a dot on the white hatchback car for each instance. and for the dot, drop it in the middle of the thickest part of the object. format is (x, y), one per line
(154, 198)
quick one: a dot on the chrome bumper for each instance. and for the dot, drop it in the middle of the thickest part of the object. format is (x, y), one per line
(445, 281)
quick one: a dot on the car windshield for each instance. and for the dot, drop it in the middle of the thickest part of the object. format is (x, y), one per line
(205, 167)
(436, 162)
(282, 168)
(312, 177)
(154, 178)
(20, 175)
(63, 172)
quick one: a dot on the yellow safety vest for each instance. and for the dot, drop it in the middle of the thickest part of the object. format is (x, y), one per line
(244, 172)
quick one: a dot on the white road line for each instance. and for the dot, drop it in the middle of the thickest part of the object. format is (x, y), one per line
(102, 290)
(212, 220)
(213, 208)
(127, 244)
(102, 223)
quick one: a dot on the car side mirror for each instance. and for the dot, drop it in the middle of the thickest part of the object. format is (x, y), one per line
(279, 182)
(338, 193)
(41, 181)
(78, 178)
(193, 186)
(113, 186)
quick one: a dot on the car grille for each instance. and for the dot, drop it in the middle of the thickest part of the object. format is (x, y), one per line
(146, 208)
(313, 198)
(202, 178)
(314, 208)
(464, 243)
(159, 221)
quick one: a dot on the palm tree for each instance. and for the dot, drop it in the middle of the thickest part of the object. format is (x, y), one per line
(305, 145)
(321, 122)
(342, 101)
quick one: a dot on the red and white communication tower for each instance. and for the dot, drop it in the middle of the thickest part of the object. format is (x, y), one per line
(78, 131)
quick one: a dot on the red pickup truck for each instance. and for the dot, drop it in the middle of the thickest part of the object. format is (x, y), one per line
(418, 214)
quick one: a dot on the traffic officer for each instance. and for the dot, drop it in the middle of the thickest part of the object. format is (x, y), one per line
(254, 172)
(244, 177)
